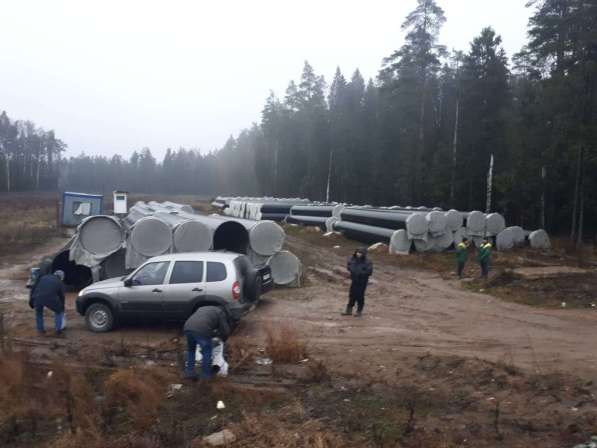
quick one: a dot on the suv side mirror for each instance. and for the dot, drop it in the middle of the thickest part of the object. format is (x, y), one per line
(128, 282)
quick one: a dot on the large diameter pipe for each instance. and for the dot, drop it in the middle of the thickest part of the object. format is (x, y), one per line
(224, 234)
(285, 267)
(264, 237)
(475, 223)
(273, 216)
(178, 207)
(101, 235)
(400, 243)
(188, 235)
(494, 224)
(518, 235)
(364, 233)
(437, 223)
(316, 221)
(454, 220)
(415, 224)
(227, 233)
(374, 217)
(316, 210)
(505, 239)
(148, 236)
(539, 239)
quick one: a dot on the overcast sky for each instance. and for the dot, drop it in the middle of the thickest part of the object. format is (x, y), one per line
(112, 76)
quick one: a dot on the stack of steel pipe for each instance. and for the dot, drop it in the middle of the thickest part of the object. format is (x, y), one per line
(262, 241)
(262, 208)
(319, 215)
(147, 235)
(226, 234)
(97, 239)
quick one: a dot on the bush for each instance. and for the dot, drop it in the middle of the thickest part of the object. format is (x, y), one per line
(136, 393)
(283, 345)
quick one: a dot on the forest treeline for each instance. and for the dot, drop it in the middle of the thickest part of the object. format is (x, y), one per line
(421, 133)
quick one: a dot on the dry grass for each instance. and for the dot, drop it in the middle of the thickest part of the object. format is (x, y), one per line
(31, 397)
(288, 431)
(137, 393)
(283, 345)
(27, 220)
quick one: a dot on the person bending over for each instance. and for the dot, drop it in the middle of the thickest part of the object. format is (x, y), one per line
(206, 323)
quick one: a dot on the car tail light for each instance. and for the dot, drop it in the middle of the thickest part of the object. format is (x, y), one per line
(236, 291)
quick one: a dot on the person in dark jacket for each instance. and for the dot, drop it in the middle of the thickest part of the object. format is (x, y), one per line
(204, 324)
(48, 292)
(360, 269)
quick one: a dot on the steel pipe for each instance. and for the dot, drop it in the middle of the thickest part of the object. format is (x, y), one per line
(364, 233)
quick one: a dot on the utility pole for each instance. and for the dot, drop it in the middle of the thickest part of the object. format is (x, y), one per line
(327, 191)
(543, 176)
(489, 185)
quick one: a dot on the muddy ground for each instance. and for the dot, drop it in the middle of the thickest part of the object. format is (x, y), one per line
(434, 362)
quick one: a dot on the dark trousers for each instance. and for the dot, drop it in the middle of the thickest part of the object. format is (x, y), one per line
(356, 295)
(39, 319)
(460, 268)
(193, 340)
(484, 268)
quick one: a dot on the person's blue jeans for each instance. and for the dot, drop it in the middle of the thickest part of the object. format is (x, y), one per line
(39, 319)
(193, 340)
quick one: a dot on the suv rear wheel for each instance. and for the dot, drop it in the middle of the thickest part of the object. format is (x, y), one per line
(252, 286)
(99, 318)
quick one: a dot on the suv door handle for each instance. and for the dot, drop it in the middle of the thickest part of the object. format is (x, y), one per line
(197, 290)
(156, 290)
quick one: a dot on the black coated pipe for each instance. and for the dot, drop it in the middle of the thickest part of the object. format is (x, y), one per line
(374, 217)
(273, 216)
(312, 210)
(318, 221)
(364, 233)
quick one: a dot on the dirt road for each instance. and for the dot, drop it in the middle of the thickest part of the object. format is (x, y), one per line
(408, 312)
(413, 312)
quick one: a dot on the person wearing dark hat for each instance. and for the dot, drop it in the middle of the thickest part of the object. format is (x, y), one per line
(360, 269)
(48, 292)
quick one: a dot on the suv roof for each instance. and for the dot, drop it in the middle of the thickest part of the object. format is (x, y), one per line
(190, 256)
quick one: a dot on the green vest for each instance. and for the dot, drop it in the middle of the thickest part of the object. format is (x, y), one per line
(461, 253)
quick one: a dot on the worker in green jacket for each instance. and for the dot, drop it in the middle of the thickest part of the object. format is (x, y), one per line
(484, 257)
(461, 255)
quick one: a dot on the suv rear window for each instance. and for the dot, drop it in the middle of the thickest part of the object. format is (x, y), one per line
(216, 272)
(187, 272)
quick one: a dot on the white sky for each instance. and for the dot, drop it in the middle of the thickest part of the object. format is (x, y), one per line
(112, 76)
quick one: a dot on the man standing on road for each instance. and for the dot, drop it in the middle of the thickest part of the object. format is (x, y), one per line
(360, 270)
(461, 255)
(484, 257)
(48, 293)
(204, 324)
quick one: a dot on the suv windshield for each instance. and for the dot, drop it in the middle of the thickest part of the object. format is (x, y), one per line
(151, 274)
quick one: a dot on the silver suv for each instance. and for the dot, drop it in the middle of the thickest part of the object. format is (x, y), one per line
(173, 286)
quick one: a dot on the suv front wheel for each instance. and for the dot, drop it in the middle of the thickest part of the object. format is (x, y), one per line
(99, 318)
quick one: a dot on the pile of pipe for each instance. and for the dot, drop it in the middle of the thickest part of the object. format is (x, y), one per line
(257, 209)
(262, 241)
(320, 215)
(105, 247)
(431, 230)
